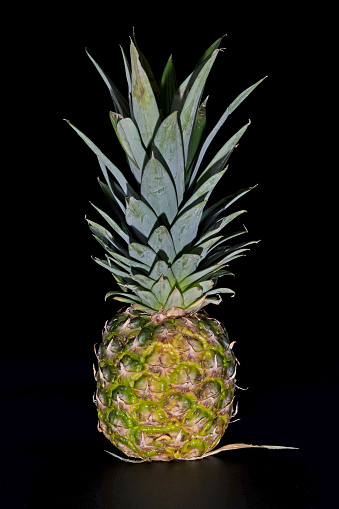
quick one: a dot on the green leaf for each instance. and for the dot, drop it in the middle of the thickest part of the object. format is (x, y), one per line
(130, 263)
(195, 306)
(147, 68)
(219, 225)
(142, 253)
(158, 190)
(221, 121)
(140, 217)
(191, 295)
(161, 242)
(216, 209)
(188, 112)
(199, 275)
(112, 268)
(215, 45)
(219, 160)
(105, 237)
(120, 103)
(143, 281)
(113, 224)
(162, 269)
(185, 265)
(197, 134)
(112, 168)
(149, 299)
(220, 290)
(130, 140)
(174, 300)
(114, 198)
(183, 90)
(162, 289)
(129, 296)
(205, 189)
(185, 228)
(145, 108)
(168, 87)
(206, 285)
(168, 144)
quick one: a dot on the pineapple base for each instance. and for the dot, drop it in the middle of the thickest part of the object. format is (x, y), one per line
(165, 386)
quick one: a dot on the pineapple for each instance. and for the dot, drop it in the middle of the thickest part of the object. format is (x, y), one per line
(166, 371)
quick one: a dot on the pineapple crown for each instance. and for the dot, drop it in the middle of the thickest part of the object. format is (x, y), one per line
(164, 246)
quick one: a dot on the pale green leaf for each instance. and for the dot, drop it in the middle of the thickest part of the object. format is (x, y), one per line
(130, 140)
(158, 190)
(112, 168)
(120, 103)
(185, 265)
(140, 217)
(145, 108)
(148, 298)
(142, 253)
(197, 134)
(112, 268)
(221, 121)
(216, 209)
(174, 300)
(205, 189)
(219, 160)
(185, 228)
(191, 295)
(162, 269)
(143, 281)
(188, 112)
(169, 149)
(162, 289)
(161, 242)
(219, 225)
(113, 224)
(220, 290)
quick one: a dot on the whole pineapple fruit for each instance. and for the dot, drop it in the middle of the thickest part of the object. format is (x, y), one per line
(166, 371)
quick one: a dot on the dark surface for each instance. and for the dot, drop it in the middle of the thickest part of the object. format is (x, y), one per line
(51, 454)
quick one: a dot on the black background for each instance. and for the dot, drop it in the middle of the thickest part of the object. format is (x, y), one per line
(52, 454)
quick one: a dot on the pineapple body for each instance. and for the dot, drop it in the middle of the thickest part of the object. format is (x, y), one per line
(165, 386)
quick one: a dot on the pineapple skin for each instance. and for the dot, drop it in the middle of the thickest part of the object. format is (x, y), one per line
(165, 386)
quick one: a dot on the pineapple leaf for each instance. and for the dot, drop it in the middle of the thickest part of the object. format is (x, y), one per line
(158, 190)
(114, 198)
(188, 112)
(104, 235)
(204, 191)
(130, 140)
(162, 289)
(113, 224)
(143, 281)
(161, 242)
(140, 217)
(197, 134)
(174, 300)
(219, 225)
(130, 263)
(148, 298)
(185, 227)
(221, 121)
(216, 209)
(183, 90)
(145, 108)
(162, 269)
(168, 87)
(120, 103)
(112, 168)
(112, 268)
(191, 295)
(129, 297)
(169, 148)
(219, 160)
(142, 253)
(199, 275)
(185, 265)
(220, 290)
